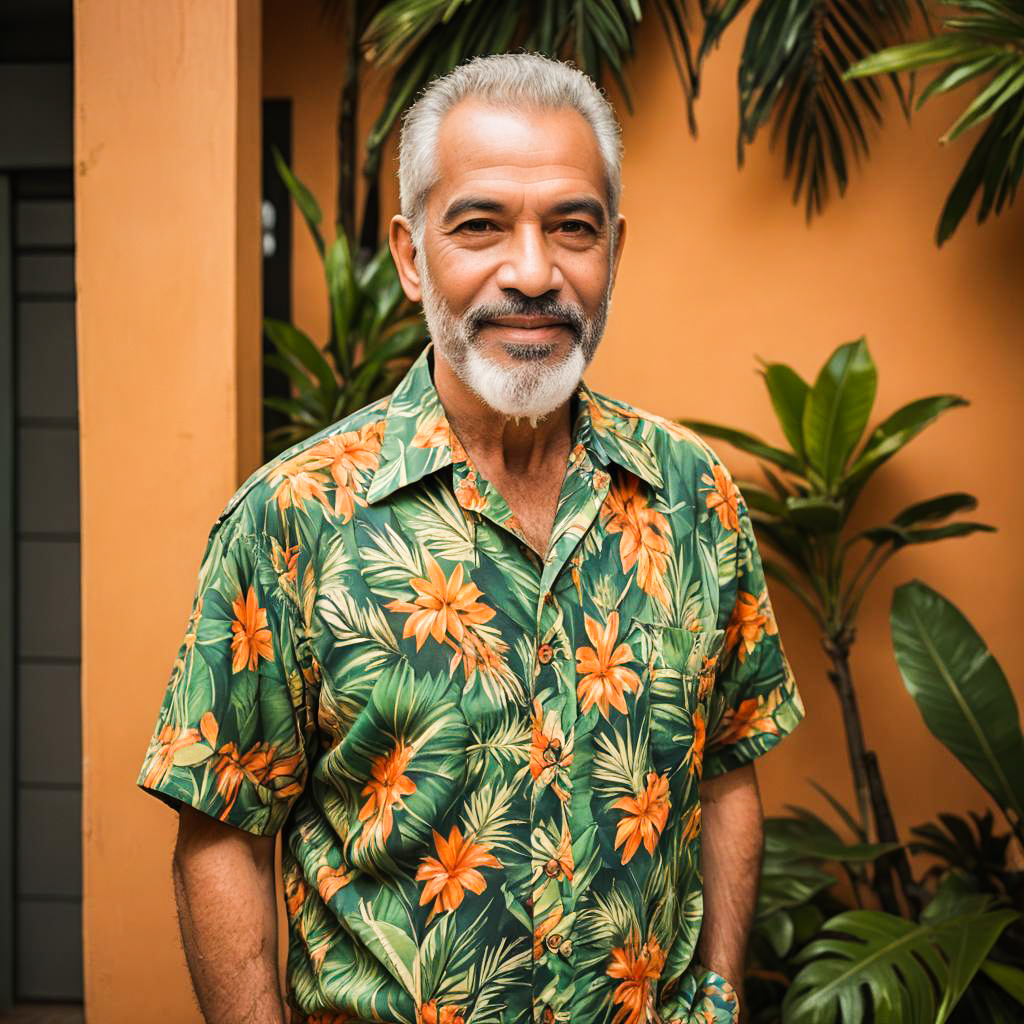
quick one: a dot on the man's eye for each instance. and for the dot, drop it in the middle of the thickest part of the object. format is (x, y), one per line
(577, 227)
(476, 227)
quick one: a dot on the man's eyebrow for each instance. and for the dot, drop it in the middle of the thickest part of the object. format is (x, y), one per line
(584, 204)
(465, 205)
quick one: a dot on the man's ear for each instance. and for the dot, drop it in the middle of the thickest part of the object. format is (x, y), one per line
(620, 242)
(403, 252)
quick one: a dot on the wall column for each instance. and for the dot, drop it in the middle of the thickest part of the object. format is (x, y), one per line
(167, 162)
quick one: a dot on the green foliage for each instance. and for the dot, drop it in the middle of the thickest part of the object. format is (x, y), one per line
(791, 75)
(982, 45)
(962, 693)
(915, 972)
(813, 486)
(375, 331)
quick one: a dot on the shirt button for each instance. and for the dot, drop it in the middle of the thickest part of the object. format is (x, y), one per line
(528, 903)
(551, 868)
(545, 653)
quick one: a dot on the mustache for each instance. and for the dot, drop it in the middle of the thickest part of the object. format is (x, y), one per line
(524, 305)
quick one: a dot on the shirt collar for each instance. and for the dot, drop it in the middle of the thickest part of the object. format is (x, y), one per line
(418, 440)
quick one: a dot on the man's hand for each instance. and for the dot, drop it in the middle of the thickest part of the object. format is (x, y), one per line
(732, 828)
(224, 887)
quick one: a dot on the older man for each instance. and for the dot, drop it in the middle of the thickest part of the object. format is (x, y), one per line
(494, 653)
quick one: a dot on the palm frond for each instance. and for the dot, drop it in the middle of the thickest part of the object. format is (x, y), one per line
(791, 75)
(985, 44)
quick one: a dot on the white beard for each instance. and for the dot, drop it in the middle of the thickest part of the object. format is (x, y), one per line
(532, 390)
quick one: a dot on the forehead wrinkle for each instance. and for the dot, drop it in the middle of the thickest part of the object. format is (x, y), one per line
(502, 195)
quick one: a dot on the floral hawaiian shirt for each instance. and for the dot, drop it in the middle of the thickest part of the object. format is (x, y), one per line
(485, 763)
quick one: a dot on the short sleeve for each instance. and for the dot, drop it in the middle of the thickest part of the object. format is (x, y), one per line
(755, 701)
(228, 740)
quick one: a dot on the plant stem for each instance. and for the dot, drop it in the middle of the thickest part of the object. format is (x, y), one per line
(348, 111)
(838, 648)
(896, 860)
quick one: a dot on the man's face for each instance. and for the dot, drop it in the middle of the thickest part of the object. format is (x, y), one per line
(516, 267)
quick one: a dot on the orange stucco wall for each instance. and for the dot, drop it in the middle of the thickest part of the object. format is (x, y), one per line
(168, 276)
(719, 266)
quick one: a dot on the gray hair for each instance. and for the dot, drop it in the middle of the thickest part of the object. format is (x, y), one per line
(512, 80)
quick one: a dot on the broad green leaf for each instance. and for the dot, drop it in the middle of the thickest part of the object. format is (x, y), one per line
(788, 392)
(816, 514)
(808, 836)
(892, 434)
(838, 408)
(900, 537)
(341, 291)
(308, 206)
(914, 973)
(936, 508)
(1010, 979)
(961, 692)
(746, 443)
(778, 930)
(296, 344)
(787, 883)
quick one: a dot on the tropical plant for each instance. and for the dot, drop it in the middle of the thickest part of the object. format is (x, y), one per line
(803, 517)
(960, 959)
(983, 44)
(374, 333)
(791, 73)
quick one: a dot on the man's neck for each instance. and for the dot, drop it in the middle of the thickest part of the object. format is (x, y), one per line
(493, 439)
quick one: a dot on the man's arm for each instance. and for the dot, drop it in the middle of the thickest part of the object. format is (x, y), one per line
(732, 823)
(227, 909)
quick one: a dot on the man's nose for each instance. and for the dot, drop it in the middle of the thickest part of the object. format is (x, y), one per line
(529, 266)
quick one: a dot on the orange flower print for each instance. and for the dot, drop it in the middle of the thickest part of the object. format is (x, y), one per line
(696, 753)
(433, 432)
(645, 817)
(329, 880)
(259, 766)
(294, 893)
(347, 457)
(161, 758)
(706, 676)
(545, 930)
(453, 871)
(192, 630)
(639, 966)
(443, 607)
(550, 861)
(751, 717)
(645, 532)
(252, 637)
(286, 562)
(209, 727)
(604, 677)
(751, 619)
(724, 497)
(481, 654)
(468, 495)
(550, 757)
(691, 826)
(385, 791)
(300, 480)
(431, 1014)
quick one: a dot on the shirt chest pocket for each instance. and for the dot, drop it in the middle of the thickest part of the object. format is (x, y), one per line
(679, 674)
